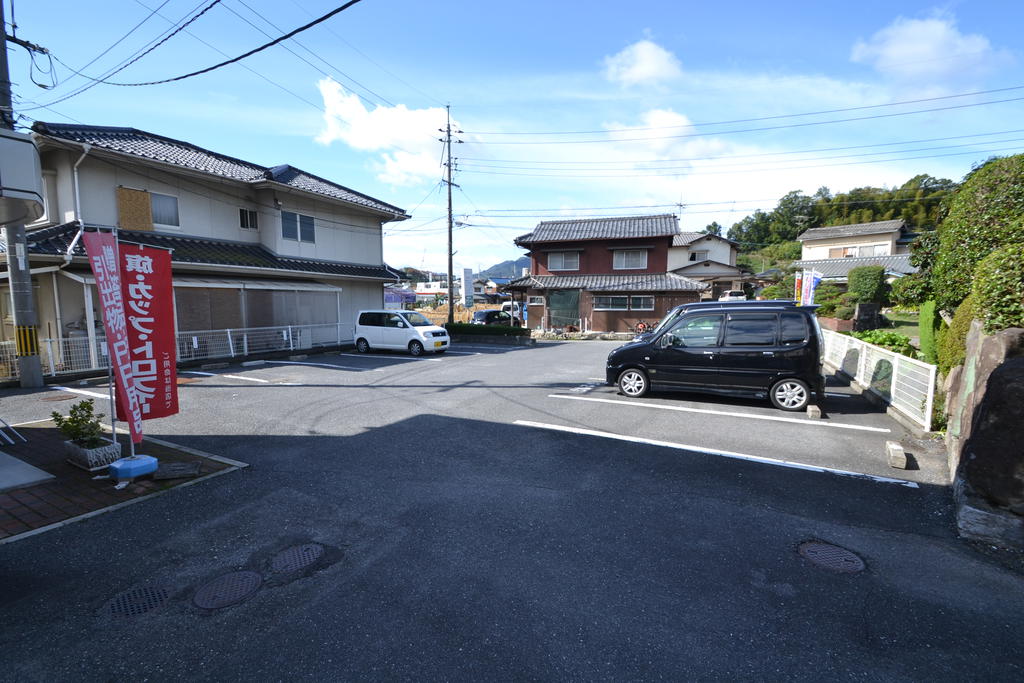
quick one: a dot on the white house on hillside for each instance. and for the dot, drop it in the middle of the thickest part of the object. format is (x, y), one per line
(835, 250)
(706, 258)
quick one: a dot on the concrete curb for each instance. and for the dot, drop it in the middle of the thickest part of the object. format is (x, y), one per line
(496, 339)
(233, 466)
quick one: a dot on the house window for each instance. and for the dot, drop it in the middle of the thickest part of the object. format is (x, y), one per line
(165, 209)
(611, 303)
(247, 219)
(872, 250)
(535, 300)
(296, 226)
(564, 260)
(641, 303)
(629, 259)
(701, 255)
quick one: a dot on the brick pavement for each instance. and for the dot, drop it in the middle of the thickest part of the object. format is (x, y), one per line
(74, 492)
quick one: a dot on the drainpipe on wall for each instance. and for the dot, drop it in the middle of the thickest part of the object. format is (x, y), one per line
(86, 147)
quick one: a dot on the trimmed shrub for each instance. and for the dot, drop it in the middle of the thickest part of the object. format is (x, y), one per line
(844, 312)
(985, 214)
(927, 328)
(828, 297)
(868, 285)
(894, 341)
(952, 346)
(999, 289)
(491, 330)
(909, 291)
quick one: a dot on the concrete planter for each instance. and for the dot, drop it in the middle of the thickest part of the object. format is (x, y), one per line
(92, 459)
(836, 324)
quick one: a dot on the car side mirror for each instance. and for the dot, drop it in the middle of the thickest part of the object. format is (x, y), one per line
(401, 324)
(666, 340)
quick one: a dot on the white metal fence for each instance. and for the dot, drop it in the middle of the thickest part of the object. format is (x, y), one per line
(907, 384)
(72, 354)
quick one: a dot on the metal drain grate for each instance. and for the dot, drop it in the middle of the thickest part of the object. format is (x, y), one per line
(831, 557)
(137, 601)
(297, 557)
(227, 590)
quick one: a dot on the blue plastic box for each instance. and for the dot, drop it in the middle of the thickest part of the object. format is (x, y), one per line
(129, 468)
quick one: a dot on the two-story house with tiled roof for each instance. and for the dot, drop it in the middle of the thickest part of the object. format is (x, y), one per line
(707, 258)
(602, 274)
(835, 250)
(252, 246)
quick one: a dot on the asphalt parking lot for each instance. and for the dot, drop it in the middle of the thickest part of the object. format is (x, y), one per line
(498, 512)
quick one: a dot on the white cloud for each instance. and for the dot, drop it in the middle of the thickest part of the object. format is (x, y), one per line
(927, 51)
(642, 63)
(405, 138)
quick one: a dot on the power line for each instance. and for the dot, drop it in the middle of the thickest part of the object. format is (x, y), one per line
(738, 156)
(749, 170)
(315, 55)
(751, 120)
(139, 55)
(247, 54)
(753, 130)
(748, 164)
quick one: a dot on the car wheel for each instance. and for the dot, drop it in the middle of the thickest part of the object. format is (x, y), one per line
(415, 348)
(362, 346)
(790, 394)
(633, 383)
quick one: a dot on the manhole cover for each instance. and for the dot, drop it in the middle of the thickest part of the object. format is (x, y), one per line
(297, 557)
(137, 601)
(177, 470)
(227, 590)
(831, 557)
(57, 397)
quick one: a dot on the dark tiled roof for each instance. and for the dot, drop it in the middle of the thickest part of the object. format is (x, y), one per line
(616, 228)
(840, 267)
(685, 239)
(654, 282)
(852, 230)
(54, 241)
(139, 143)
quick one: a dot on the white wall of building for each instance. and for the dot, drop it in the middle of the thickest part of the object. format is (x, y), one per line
(818, 249)
(718, 250)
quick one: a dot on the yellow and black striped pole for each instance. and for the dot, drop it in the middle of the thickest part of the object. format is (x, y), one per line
(26, 340)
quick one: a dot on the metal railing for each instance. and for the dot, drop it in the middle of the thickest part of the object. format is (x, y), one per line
(72, 354)
(906, 384)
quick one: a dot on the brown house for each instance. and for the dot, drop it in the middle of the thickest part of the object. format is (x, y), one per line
(602, 274)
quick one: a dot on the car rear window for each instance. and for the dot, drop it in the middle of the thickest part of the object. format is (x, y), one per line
(751, 329)
(793, 328)
(371, 319)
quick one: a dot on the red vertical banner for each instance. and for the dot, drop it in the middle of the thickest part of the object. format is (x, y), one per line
(149, 312)
(799, 288)
(101, 247)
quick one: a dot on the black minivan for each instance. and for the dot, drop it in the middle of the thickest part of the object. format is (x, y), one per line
(737, 348)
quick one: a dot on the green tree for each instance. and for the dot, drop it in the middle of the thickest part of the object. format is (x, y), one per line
(713, 228)
(986, 213)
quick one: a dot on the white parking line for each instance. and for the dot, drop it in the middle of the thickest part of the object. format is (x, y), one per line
(213, 374)
(321, 365)
(727, 413)
(363, 355)
(708, 451)
(83, 392)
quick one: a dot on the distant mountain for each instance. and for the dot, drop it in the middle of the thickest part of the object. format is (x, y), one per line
(506, 268)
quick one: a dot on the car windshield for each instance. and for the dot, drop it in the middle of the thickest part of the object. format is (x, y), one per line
(664, 322)
(480, 315)
(417, 319)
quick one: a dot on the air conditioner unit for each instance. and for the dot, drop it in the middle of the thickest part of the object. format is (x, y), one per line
(21, 180)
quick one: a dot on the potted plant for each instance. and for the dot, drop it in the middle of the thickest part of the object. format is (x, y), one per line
(86, 446)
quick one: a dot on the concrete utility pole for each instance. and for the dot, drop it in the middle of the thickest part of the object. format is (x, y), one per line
(448, 165)
(30, 370)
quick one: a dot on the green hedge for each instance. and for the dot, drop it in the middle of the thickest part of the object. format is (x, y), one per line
(952, 346)
(867, 285)
(491, 330)
(894, 341)
(999, 289)
(928, 322)
(984, 215)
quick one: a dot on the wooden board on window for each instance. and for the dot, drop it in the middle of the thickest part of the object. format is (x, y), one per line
(134, 210)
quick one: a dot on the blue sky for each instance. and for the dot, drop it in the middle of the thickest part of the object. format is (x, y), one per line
(611, 109)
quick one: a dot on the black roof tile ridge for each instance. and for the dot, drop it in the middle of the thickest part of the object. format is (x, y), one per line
(45, 128)
(609, 218)
(275, 171)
